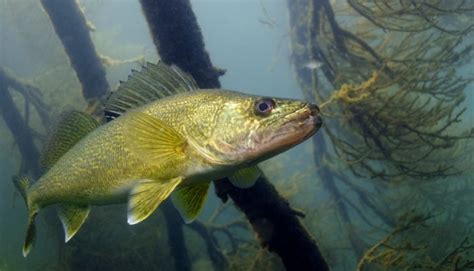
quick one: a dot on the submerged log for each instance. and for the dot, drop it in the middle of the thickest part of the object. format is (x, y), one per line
(71, 27)
(179, 41)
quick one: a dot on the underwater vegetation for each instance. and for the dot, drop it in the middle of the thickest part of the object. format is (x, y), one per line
(391, 88)
(391, 181)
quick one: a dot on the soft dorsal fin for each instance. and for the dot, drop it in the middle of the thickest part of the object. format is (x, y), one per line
(153, 82)
(72, 127)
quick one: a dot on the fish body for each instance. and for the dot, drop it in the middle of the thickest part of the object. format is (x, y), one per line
(176, 144)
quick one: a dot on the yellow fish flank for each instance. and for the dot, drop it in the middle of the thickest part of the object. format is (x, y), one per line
(166, 138)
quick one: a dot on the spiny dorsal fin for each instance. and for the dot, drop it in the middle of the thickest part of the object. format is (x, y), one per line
(189, 200)
(153, 82)
(72, 127)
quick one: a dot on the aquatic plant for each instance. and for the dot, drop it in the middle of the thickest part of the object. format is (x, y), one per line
(396, 113)
(391, 97)
(398, 249)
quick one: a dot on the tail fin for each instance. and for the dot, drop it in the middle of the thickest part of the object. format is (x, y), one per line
(22, 184)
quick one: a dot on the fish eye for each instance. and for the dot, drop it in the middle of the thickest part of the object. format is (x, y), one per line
(264, 106)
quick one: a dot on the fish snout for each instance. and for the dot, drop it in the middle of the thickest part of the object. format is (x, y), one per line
(318, 121)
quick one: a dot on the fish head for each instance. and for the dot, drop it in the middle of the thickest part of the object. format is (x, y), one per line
(248, 129)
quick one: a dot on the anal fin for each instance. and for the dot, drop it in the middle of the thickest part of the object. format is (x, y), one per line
(147, 195)
(190, 199)
(72, 217)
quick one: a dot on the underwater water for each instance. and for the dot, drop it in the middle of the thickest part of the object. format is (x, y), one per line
(387, 183)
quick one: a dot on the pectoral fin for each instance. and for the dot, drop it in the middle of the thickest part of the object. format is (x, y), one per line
(189, 200)
(72, 218)
(154, 140)
(246, 177)
(146, 196)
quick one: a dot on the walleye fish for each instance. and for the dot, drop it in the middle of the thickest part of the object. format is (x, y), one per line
(166, 138)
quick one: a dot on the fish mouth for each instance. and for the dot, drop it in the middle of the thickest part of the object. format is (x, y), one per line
(298, 127)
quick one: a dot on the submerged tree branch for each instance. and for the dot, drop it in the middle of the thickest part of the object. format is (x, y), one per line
(71, 27)
(218, 259)
(30, 93)
(20, 130)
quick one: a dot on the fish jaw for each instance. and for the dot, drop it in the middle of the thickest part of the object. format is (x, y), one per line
(300, 126)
